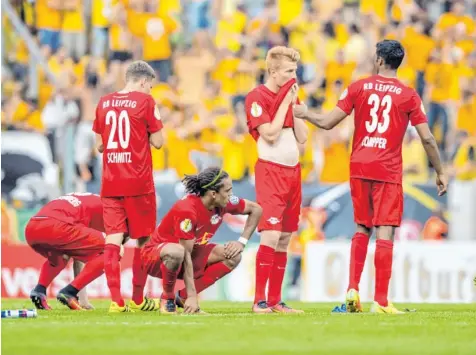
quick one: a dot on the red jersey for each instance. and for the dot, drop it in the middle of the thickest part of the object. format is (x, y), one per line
(258, 106)
(124, 122)
(76, 208)
(190, 219)
(383, 107)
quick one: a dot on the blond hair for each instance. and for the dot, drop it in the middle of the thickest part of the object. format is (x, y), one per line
(277, 54)
(139, 70)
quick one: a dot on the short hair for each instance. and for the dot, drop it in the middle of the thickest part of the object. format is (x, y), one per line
(279, 53)
(209, 179)
(391, 52)
(138, 70)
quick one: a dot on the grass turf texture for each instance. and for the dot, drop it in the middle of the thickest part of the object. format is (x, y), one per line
(230, 328)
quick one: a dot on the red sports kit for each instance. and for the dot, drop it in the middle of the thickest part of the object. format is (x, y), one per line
(383, 107)
(188, 219)
(278, 187)
(125, 122)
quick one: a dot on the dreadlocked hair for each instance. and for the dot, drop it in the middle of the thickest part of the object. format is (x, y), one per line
(208, 179)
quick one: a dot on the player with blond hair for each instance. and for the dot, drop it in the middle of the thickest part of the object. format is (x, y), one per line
(127, 123)
(278, 173)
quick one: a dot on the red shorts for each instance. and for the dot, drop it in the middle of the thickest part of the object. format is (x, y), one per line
(135, 215)
(376, 203)
(52, 239)
(151, 259)
(278, 192)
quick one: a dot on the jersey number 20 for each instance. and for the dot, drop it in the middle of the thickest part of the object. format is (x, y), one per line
(124, 129)
(374, 124)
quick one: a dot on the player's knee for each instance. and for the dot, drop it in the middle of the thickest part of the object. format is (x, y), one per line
(385, 232)
(233, 262)
(173, 256)
(283, 243)
(270, 238)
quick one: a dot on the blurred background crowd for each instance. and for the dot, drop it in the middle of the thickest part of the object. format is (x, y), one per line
(209, 53)
(60, 56)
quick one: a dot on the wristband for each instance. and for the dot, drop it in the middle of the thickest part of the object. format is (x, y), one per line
(242, 240)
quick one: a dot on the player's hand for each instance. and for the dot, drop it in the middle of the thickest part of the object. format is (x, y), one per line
(300, 111)
(86, 305)
(441, 184)
(191, 305)
(232, 249)
(291, 96)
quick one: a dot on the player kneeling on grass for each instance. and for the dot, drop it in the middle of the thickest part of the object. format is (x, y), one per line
(70, 226)
(179, 248)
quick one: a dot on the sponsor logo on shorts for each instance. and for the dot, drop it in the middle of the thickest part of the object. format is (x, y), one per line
(215, 219)
(273, 220)
(256, 110)
(234, 200)
(186, 225)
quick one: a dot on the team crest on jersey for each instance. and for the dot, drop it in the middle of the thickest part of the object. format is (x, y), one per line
(215, 219)
(422, 108)
(256, 110)
(234, 200)
(157, 113)
(186, 225)
(344, 94)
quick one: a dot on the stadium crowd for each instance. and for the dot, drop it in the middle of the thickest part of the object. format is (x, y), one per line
(209, 54)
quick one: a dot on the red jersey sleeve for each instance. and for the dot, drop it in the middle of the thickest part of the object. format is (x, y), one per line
(236, 205)
(416, 111)
(347, 99)
(185, 222)
(97, 124)
(154, 122)
(256, 114)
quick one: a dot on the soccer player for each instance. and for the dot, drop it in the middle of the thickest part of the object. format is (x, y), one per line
(277, 174)
(70, 226)
(180, 249)
(127, 123)
(383, 107)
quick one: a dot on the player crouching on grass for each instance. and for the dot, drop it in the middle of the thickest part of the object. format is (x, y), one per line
(70, 226)
(179, 248)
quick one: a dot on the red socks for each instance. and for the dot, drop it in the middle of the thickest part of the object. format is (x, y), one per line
(139, 277)
(112, 268)
(358, 253)
(383, 270)
(264, 265)
(168, 282)
(49, 272)
(92, 270)
(212, 274)
(276, 277)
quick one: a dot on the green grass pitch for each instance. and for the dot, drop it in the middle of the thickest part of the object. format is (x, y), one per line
(230, 328)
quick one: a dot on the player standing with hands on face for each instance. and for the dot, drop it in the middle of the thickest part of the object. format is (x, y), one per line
(127, 123)
(383, 108)
(278, 173)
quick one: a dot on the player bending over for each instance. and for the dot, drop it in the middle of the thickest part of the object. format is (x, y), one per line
(70, 226)
(180, 248)
(382, 106)
(278, 173)
(127, 123)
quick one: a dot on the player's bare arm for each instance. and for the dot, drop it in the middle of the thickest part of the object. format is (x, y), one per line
(191, 304)
(431, 149)
(325, 121)
(82, 294)
(99, 144)
(156, 139)
(254, 212)
(271, 131)
(300, 130)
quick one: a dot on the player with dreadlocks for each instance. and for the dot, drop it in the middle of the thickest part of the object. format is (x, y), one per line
(179, 248)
